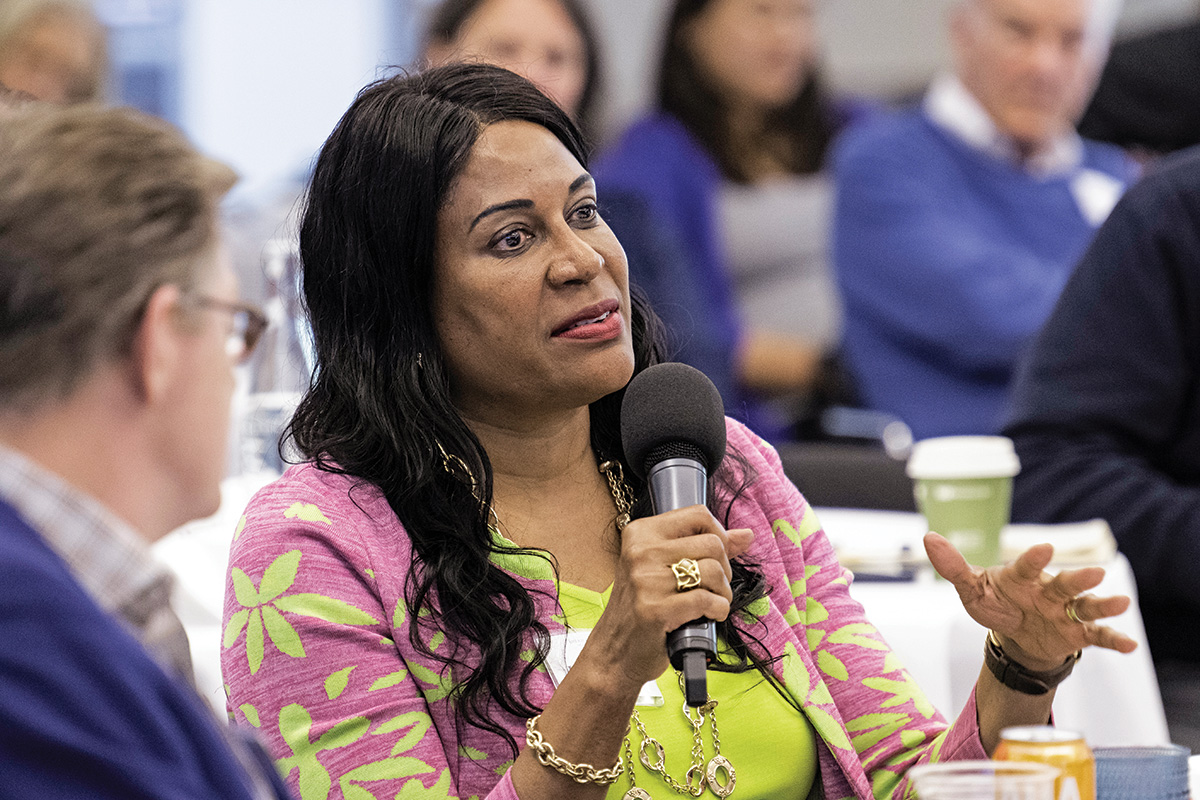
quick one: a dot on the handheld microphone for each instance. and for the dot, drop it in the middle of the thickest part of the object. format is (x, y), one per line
(673, 433)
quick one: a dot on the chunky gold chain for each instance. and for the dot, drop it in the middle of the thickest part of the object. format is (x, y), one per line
(580, 773)
(621, 493)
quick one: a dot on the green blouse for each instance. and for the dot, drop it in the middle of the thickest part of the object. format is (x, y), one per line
(770, 744)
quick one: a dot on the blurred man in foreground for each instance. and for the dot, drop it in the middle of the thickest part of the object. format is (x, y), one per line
(957, 223)
(119, 329)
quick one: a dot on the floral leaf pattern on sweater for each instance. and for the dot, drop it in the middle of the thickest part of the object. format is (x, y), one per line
(262, 605)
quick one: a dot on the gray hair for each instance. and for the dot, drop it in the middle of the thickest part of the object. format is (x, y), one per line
(1101, 23)
(98, 208)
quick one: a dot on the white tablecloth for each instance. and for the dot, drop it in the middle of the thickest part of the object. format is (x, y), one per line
(1111, 698)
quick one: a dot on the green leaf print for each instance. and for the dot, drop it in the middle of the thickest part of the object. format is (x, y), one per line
(254, 641)
(352, 792)
(243, 588)
(795, 676)
(417, 722)
(279, 576)
(295, 728)
(832, 666)
(415, 790)
(235, 626)
(857, 633)
(388, 681)
(326, 608)
(874, 728)
(282, 634)
(883, 783)
(399, 614)
(260, 614)
(387, 769)
(814, 612)
(345, 732)
(251, 714)
(808, 526)
(827, 727)
(471, 753)
(306, 512)
(442, 683)
(903, 691)
(335, 684)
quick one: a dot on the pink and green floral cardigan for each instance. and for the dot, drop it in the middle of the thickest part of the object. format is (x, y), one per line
(317, 656)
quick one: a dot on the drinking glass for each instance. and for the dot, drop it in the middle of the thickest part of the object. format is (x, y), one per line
(984, 780)
(1142, 773)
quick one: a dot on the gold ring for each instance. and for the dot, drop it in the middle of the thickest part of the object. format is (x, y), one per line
(1072, 614)
(687, 574)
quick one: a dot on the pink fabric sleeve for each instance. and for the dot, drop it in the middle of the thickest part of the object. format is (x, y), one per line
(313, 652)
(871, 714)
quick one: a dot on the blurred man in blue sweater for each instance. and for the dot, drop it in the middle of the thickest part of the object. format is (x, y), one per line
(958, 222)
(119, 328)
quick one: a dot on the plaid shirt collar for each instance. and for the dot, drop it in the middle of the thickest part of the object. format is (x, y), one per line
(106, 556)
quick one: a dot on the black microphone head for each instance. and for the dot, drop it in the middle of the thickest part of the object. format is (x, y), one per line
(672, 410)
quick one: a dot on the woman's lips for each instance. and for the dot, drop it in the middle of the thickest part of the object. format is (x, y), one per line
(603, 326)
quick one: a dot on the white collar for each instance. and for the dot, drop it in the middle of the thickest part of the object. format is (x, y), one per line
(953, 108)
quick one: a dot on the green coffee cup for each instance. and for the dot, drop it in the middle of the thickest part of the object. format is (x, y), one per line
(963, 487)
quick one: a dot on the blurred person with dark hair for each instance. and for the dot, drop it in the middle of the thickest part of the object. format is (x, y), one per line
(550, 42)
(53, 50)
(730, 165)
(119, 329)
(1106, 414)
(958, 221)
(1148, 98)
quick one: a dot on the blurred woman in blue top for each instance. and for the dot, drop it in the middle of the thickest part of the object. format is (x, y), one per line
(731, 165)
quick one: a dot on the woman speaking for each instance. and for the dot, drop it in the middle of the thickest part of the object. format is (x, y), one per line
(465, 509)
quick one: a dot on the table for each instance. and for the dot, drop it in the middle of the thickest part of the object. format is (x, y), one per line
(1111, 698)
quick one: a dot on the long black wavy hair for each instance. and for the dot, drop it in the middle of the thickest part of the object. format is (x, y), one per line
(379, 407)
(806, 124)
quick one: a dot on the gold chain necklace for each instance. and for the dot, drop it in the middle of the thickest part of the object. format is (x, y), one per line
(651, 752)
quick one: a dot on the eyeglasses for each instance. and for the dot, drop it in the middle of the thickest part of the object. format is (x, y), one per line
(248, 324)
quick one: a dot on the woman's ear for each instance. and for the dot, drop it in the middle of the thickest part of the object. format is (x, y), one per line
(156, 345)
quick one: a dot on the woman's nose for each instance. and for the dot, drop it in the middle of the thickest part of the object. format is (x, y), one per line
(574, 260)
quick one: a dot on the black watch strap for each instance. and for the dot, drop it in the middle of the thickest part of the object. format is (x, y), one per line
(1017, 677)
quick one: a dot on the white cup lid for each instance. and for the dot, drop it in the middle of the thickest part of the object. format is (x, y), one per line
(955, 457)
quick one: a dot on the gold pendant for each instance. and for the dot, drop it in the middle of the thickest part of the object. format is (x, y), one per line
(715, 766)
(637, 793)
(660, 756)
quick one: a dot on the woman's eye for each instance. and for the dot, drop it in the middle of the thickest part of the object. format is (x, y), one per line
(513, 240)
(587, 213)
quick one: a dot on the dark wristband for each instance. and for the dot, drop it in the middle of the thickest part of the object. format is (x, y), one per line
(1016, 676)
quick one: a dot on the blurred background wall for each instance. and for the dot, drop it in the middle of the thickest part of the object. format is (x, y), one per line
(260, 83)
